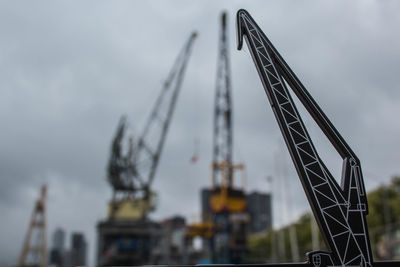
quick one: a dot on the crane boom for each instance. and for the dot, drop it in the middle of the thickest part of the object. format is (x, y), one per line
(148, 148)
(340, 210)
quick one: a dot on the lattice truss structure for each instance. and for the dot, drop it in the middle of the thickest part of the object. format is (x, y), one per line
(133, 172)
(222, 138)
(34, 251)
(340, 210)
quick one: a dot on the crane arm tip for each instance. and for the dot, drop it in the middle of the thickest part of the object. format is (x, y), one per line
(239, 24)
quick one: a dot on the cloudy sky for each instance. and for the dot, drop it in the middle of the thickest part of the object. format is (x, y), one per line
(69, 70)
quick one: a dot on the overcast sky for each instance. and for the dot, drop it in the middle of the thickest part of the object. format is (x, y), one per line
(69, 70)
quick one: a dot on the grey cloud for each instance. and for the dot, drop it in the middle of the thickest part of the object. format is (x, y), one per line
(69, 70)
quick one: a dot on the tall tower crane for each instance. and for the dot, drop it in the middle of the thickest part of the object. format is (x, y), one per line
(222, 138)
(226, 202)
(131, 174)
(340, 210)
(34, 251)
(222, 165)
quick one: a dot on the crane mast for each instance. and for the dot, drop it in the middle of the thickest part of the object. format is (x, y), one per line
(34, 251)
(227, 204)
(339, 210)
(132, 174)
(222, 142)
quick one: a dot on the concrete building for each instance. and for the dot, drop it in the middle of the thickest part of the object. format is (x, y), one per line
(78, 249)
(260, 209)
(75, 255)
(57, 251)
(59, 239)
(205, 204)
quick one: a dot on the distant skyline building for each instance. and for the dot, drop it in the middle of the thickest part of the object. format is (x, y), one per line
(56, 255)
(260, 209)
(61, 256)
(78, 249)
(58, 239)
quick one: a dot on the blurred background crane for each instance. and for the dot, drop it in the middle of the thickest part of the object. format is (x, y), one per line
(127, 237)
(34, 251)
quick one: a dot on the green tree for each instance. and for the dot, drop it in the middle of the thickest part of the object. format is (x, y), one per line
(384, 208)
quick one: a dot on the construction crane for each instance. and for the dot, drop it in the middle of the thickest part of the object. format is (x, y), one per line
(34, 251)
(222, 165)
(222, 138)
(131, 174)
(224, 218)
(340, 210)
(228, 204)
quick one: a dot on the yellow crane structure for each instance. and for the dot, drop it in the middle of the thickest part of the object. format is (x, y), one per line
(222, 199)
(34, 251)
(226, 220)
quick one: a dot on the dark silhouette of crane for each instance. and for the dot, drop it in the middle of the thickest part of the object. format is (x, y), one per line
(340, 210)
(131, 174)
(222, 138)
(229, 239)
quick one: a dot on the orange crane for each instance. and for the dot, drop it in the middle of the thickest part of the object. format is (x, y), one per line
(34, 251)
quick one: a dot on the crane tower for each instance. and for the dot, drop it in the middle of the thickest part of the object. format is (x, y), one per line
(227, 203)
(34, 251)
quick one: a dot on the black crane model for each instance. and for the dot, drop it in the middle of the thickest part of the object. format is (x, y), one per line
(340, 210)
(132, 174)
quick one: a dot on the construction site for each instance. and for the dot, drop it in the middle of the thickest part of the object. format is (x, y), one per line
(129, 237)
(344, 222)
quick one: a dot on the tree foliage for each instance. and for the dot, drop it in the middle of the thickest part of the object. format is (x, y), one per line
(384, 209)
